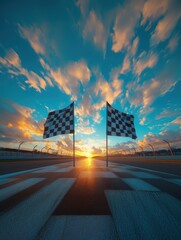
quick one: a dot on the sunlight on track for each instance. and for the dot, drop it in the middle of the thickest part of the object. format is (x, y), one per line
(89, 161)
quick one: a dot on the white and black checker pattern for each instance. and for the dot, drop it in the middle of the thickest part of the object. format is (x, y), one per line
(119, 123)
(59, 122)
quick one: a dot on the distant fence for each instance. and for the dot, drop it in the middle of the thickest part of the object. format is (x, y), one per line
(23, 154)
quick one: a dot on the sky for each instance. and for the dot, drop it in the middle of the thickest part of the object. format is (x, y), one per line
(124, 52)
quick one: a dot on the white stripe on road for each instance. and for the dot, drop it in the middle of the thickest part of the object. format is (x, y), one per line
(17, 173)
(97, 174)
(18, 187)
(78, 227)
(121, 170)
(47, 169)
(6, 180)
(144, 175)
(54, 168)
(66, 169)
(174, 180)
(150, 170)
(145, 215)
(33, 170)
(26, 219)
(138, 184)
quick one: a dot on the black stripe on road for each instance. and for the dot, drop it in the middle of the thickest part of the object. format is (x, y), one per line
(165, 186)
(11, 202)
(86, 197)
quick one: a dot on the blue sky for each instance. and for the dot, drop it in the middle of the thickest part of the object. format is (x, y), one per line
(124, 52)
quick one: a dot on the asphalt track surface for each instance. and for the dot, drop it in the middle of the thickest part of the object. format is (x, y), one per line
(130, 199)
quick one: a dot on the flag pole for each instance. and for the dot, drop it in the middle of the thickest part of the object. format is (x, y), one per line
(74, 149)
(106, 139)
(74, 143)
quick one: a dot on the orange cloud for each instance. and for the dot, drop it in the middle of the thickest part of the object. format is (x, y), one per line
(153, 9)
(124, 24)
(35, 37)
(17, 123)
(13, 64)
(80, 71)
(95, 30)
(145, 61)
(107, 91)
(68, 79)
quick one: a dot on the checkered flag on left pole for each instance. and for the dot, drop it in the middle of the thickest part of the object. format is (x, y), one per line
(59, 122)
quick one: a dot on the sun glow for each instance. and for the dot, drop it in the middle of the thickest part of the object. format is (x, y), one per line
(89, 159)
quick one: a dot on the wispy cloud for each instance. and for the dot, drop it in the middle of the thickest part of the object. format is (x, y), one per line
(17, 122)
(173, 43)
(166, 113)
(145, 94)
(83, 5)
(12, 63)
(96, 151)
(87, 108)
(35, 36)
(173, 136)
(142, 121)
(79, 71)
(145, 61)
(166, 25)
(95, 30)
(69, 78)
(135, 46)
(126, 20)
(126, 64)
(177, 121)
(84, 127)
(107, 91)
(153, 9)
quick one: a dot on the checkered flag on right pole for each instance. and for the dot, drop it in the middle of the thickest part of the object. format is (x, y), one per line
(119, 123)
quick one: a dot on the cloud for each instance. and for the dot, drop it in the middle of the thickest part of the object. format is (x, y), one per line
(177, 121)
(126, 20)
(166, 25)
(13, 58)
(83, 5)
(107, 91)
(65, 144)
(145, 61)
(122, 148)
(156, 88)
(167, 113)
(142, 122)
(173, 136)
(126, 64)
(135, 46)
(153, 9)
(144, 94)
(173, 43)
(95, 30)
(84, 127)
(96, 151)
(69, 78)
(17, 122)
(12, 63)
(79, 71)
(35, 36)
(87, 108)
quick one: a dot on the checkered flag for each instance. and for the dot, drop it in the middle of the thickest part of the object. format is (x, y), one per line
(119, 123)
(59, 122)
